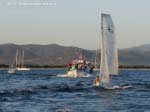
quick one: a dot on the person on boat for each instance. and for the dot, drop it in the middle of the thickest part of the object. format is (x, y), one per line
(79, 66)
(76, 66)
(97, 81)
(69, 65)
(91, 69)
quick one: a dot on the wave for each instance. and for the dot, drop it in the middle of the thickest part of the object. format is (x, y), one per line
(141, 84)
(53, 87)
(16, 92)
(68, 88)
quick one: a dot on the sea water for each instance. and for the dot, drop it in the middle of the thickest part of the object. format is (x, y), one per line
(40, 90)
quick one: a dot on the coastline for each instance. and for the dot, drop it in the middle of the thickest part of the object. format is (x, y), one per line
(121, 67)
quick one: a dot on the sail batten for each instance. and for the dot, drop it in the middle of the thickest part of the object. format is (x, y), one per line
(109, 53)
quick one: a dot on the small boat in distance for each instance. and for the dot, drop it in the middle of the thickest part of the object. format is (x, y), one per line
(79, 67)
(12, 69)
(19, 64)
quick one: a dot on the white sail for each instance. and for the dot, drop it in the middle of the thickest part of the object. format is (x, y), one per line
(104, 73)
(17, 58)
(109, 55)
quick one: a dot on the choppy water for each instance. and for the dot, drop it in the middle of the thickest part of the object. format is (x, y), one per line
(40, 91)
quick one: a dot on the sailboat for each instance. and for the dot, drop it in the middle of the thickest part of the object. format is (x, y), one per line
(109, 53)
(12, 69)
(20, 65)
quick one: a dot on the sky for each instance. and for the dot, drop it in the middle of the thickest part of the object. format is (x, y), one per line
(73, 22)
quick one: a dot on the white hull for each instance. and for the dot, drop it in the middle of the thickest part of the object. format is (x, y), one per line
(12, 71)
(76, 73)
(23, 69)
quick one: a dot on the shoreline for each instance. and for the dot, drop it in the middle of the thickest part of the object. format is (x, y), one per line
(134, 67)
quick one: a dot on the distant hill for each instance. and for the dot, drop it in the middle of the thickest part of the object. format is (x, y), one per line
(54, 54)
(41, 54)
(139, 55)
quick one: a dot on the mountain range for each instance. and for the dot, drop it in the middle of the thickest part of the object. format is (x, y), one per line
(54, 54)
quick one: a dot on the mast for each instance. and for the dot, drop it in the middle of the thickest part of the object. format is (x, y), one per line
(22, 58)
(16, 58)
(19, 60)
(92, 61)
(96, 59)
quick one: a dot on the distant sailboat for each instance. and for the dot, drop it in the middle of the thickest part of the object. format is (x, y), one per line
(12, 69)
(20, 65)
(109, 53)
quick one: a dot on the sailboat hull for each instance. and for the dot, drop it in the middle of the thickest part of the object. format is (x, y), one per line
(12, 71)
(23, 69)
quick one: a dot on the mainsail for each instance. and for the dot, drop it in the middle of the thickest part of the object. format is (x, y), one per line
(109, 54)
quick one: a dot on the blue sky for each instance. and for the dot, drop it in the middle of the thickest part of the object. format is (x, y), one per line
(74, 22)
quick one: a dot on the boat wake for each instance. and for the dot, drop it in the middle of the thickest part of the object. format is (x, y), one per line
(65, 75)
(61, 75)
(116, 87)
(121, 87)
